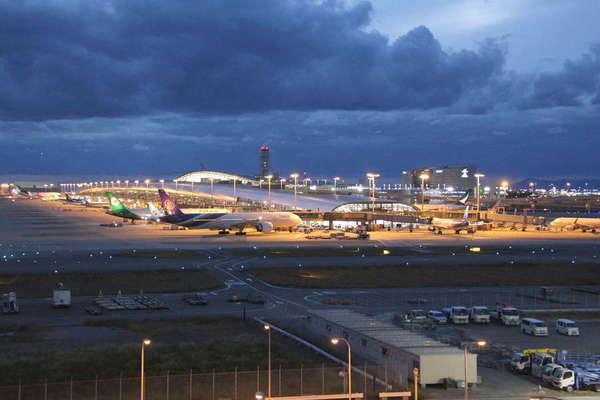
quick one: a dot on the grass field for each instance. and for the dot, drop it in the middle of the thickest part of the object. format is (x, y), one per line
(178, 346)
(431, 275)
(349, 249)
(90, 283)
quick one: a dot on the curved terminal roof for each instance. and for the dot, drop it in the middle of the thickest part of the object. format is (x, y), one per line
(285, 198)
(201, 176)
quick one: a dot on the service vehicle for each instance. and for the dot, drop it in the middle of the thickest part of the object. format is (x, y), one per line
(539, 361)
(508, 316)
(567, 327)
(521, 361)
(9, 303)
(576, 379)
(457, 314)
(534, 327)
(61, 297)
(479, 314)
(548, 372)
(437, 317)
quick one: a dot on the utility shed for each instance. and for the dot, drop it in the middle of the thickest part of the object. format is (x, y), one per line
(386, 344)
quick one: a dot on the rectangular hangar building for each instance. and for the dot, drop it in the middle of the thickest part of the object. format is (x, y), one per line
(458, 177)
(399, 349)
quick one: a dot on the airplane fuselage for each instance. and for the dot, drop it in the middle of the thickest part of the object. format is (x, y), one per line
(224, 221)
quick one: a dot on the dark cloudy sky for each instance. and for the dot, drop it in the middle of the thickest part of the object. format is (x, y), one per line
(335, 88)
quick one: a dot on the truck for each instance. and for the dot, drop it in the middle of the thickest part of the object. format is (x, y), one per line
(539, 361)
(506, 315)
(61, 297)
(479, 314)
(9, 303)
(457, 314)
(522, 361)
(576, 379)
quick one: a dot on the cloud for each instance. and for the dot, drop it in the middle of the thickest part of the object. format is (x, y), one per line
(577, 83)
(79, 59)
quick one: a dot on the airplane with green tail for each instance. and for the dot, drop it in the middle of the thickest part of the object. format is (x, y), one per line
(118, 209)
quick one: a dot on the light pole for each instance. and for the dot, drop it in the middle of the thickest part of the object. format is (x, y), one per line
(295, 176)
(145, 342)
(480, 343)
(137, 183)
(423, 178)
(372, 177)
(478, 176)
(504, 187)
(212, 198)
(162, 183)
(147, 182)
(268, 329)
(336, 341)
(337, 178)
(127, 183)
(234, 188)
(281, 182)
(269, 177)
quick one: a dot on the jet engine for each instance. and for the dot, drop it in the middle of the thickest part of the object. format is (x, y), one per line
(264, 227)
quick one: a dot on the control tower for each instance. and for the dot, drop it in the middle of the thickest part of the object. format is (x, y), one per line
(265, 166)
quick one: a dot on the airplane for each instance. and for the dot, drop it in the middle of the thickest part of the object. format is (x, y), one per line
(18, 191)
(119, 210)
(457, 206)
(438, 224)
(585, 224)
(77, 200)
(261, 221)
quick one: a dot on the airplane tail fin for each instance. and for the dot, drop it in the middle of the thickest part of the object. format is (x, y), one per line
(67, 197)
(466, 215)
(154, 211)
(464, 198)
(168, 204)
(115, 204)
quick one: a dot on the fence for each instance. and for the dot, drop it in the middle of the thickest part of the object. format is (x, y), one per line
(236, 385)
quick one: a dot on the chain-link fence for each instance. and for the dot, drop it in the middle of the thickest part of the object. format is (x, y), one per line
(236, 385)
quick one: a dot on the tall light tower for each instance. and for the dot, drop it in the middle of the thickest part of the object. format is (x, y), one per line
(295, 176)
(478, 176)
(145, 342)
(335, 180)
(336, 341)
(371, 176)
(423, 178)
(269, 177)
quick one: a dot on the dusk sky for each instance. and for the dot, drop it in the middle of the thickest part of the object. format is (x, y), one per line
(333, 87)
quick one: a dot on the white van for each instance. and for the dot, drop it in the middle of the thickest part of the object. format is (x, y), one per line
(567, 327)
(535, 327)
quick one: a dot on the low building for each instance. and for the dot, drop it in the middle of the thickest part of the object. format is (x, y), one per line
(398, 349)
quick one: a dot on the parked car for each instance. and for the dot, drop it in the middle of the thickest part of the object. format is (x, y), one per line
(567, 327)
(437, 317)
(535, 327)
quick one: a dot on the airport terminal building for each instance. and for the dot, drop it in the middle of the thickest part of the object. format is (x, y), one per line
(447, 177)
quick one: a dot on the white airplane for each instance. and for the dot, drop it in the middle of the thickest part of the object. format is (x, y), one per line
(445, 206)
(261, 221)
(585, 224)
(439, 224)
